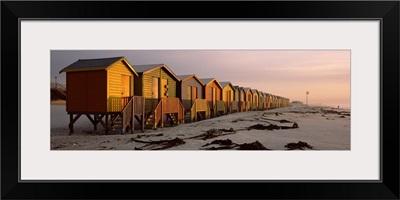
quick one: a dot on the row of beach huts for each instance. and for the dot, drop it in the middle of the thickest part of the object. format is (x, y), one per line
(113, 93)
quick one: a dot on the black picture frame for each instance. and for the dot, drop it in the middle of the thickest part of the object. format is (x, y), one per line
(386, 11)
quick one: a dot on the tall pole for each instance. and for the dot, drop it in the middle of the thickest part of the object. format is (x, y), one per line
(307, 97)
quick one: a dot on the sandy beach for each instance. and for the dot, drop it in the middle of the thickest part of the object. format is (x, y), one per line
(320, 127)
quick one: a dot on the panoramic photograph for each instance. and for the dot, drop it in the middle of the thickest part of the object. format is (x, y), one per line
(200, 100)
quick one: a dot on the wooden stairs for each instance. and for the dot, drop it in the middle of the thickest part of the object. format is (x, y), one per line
(168, 110)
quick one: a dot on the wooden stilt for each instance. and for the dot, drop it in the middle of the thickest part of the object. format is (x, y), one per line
(100, 121)
(106, 125)
(71, 125)
(143, 111)
(92, 120)
(72, 120)
(122, 125)
(99, 118)
(132, 118)
(95, 122)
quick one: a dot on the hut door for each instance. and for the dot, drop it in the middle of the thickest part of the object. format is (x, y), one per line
(229, 96)
(214, 95)
(194, 93)
(189, 96)
(211, 95)
(125, 89)
(154, 89)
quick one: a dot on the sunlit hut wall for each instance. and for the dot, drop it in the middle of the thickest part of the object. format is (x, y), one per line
(248, 98)
(273, 98)
(261, 100)
(213, 93)
(278, 101)
(190, 88)
(269, 101)
(239, 96)
(265, 100)
(284, 104)
(255, 99)
(242, 102)
(236, 95)
(191, 92)
(228, 96)
(98, 85)
(101, 87)
(155, 81)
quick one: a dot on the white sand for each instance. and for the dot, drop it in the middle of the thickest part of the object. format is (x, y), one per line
(322, 131)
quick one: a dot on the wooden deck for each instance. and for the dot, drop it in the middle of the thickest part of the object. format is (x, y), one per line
(171, 106)
(220, 107)
(241, 106)
(261, 106)
(234, 107)
(199, 105)
(254, 106)
(125, 111)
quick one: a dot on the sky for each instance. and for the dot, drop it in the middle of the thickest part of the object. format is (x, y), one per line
(287, 73)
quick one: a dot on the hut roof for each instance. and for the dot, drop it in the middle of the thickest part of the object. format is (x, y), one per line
(254, 91)
(206, 81)
(247, 89)
(184, 77)
(226, 83)
(96, 64)
(142, 69)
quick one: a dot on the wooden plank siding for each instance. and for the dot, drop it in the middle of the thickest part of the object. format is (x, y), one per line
(249, 100)
(96, 90)
(236, 96)
(242, 102)
(228, 95)
(218, 92)
(182, 91)
(261, 100)
(255, 100)
(85, 92)
(144, 86)
(115, 73)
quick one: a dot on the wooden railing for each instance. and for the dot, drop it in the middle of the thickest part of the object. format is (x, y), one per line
(220, 106)
(124, 101)
(242, 106)
(199, 105)
(127, 114)
(188, 104)
(246, 106)
(132, 106)
(138, 106)
(261, 105)
(234, 106)
(117, 104)
(167, 106)
(158, 115)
